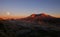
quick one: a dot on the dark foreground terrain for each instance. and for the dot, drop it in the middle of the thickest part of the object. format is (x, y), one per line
(36, 26)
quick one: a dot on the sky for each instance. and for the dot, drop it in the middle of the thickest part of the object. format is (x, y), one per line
(25, 8)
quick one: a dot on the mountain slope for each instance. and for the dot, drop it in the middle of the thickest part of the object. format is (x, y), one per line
(40, 17)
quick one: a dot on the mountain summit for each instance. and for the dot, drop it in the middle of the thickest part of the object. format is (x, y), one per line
(38, 17)
(42, 15)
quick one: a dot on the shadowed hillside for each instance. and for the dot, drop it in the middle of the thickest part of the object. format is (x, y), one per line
(35, 25)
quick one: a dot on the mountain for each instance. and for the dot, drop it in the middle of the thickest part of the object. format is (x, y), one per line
(45, 18)
(41, 16)
(38, 17)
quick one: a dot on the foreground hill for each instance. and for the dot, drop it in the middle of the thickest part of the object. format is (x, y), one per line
(36, 25)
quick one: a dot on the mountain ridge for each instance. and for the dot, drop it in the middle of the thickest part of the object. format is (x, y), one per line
(42, 18)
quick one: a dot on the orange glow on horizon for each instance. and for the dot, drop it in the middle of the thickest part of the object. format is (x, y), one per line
(15, 17)
(9, 17)
(57, 16)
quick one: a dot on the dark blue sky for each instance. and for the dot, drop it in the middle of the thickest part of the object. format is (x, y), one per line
(27, 7)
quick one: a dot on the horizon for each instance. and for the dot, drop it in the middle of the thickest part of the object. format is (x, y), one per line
(24, 8)
(20, 17)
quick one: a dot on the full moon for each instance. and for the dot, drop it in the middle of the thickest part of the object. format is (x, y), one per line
(8, 13)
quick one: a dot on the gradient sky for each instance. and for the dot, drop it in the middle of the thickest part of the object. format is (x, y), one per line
(28, 7)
